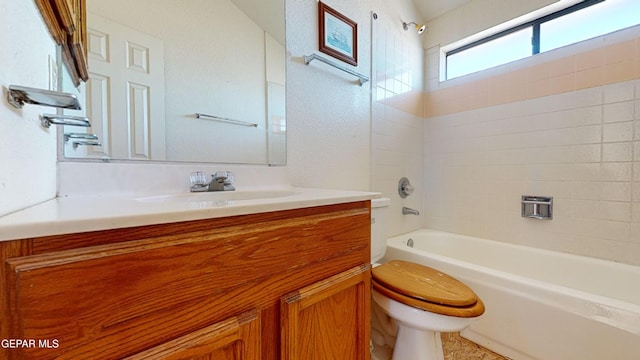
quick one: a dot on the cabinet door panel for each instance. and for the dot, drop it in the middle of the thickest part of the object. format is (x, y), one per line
(329, 319)
(237, 338)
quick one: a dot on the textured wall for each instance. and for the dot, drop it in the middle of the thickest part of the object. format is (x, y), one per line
(27, 151)
(328, 114)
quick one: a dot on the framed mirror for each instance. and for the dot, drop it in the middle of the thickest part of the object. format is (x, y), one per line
(196, 81)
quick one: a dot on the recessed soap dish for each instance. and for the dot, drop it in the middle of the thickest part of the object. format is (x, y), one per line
(537, 207)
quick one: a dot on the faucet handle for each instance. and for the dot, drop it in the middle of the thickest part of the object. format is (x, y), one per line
(198, 181)
(227, 176)
(405, 188)
(220, 176)
(229, 179)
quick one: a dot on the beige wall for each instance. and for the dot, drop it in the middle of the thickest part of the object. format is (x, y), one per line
(480, 15)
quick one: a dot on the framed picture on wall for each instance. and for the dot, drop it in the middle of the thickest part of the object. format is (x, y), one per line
(338, 35)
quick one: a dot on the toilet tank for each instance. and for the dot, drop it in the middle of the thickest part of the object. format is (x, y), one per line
(379, 225)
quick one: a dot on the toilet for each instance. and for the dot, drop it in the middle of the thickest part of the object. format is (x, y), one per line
(422, 301)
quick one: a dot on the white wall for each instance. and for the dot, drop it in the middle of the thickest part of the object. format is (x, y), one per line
(27, 151)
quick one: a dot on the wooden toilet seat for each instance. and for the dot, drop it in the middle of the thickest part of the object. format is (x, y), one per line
(425, 288)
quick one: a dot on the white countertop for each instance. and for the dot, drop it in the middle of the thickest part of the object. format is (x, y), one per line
(67, 215)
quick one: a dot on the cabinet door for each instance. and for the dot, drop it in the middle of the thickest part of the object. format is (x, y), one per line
(237, 338)
(328, 319)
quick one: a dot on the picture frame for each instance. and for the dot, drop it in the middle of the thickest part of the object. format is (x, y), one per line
(338, 35)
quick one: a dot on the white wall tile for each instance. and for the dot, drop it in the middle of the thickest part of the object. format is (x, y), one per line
(622, 151)
(635, 191)
(397, 136)
(582, 148)
(615, 211)
(624, 91)
(622, 171)
(617, 132)
(615, 191)
(622, 111)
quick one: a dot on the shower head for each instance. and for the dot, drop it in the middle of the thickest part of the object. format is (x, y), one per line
(420, 28)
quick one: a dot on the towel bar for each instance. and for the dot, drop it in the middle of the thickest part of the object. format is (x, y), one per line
(48, 119)
(309, 58)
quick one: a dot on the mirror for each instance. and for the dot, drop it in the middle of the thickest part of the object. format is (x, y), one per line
(195, 81)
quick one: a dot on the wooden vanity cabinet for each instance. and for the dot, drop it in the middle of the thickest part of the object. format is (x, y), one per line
(292, 284)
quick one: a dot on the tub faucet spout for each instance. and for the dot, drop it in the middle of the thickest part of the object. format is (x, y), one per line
(409, 211)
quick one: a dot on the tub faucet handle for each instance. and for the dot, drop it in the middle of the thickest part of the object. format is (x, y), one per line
(405, 188)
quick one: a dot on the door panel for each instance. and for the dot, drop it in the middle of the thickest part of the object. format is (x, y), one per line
(125, 93)
(329, 319)
(237, 338)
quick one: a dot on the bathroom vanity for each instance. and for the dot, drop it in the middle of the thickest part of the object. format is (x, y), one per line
(292, 283)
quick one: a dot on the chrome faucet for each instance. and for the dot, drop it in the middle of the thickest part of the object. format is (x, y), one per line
(220, 181)
(409, 211)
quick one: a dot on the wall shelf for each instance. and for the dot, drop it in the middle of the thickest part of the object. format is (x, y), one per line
(20, 95)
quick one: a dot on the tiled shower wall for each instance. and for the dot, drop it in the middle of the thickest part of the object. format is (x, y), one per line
(564, 124)
(397, 118)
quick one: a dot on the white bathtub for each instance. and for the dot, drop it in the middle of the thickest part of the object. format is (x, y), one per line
(540, 304)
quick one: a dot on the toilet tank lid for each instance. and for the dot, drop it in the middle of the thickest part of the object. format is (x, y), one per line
(380, 202)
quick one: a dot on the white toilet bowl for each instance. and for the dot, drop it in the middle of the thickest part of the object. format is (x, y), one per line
(418, 330)
(423, 302)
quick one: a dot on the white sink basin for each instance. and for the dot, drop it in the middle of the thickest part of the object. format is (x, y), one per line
(217, 196)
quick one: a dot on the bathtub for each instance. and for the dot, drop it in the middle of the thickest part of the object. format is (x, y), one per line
(540, 304)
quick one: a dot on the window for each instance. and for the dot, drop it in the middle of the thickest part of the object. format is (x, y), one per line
(502, 50)
(584, 20)
(600, 19)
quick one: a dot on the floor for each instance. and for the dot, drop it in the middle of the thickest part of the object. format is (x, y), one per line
(455, 347)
